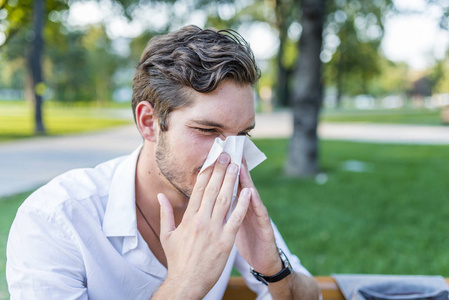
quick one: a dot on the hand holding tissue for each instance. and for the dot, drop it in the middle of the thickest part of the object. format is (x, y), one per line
(236, 147)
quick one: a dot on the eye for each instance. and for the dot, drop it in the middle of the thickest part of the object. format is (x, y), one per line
(206, 130)
(245, 134)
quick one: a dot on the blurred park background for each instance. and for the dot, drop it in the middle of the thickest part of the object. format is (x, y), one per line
(343, 206)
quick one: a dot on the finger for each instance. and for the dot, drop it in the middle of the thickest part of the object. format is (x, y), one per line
(257, 206)
(245, 177)
(239, 213)
(214, 185)
(198, 192)
(167, 217)
(224, 198)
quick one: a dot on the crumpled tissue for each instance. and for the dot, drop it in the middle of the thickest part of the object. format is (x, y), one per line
(237, 147)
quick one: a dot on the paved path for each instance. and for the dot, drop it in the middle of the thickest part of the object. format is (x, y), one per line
(26, 164)
(280, 124)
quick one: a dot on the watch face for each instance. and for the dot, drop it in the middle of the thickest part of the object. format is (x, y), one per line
(284, 259)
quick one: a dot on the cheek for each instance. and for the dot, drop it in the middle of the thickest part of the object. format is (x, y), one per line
(198, 148)
(203, 144)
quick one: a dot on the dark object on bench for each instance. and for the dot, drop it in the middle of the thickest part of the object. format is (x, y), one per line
(237, 289)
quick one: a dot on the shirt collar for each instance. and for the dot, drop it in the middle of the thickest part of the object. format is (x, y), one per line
(120, 215)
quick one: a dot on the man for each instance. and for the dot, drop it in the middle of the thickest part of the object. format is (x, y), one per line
(149, 225)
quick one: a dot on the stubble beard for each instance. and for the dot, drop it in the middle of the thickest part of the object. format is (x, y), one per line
(168, 169)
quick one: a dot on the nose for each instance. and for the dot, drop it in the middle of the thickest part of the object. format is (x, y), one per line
(224, 136)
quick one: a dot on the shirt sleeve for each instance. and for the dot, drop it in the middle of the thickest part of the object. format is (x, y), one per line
(43, 261)
(258, 287)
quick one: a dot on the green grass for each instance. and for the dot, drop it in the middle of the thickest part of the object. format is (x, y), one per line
(8, 209)
(16, 119)
(392, 116)
(390, 219)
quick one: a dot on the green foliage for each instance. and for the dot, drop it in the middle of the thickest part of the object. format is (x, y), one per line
(19, 16)
(443, 84)
(232, 14)
(357, 28)
(78, 65)
(393, 79)
(82, 66)
(440, 75)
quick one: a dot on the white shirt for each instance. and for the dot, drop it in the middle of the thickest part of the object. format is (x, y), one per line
(77, 238)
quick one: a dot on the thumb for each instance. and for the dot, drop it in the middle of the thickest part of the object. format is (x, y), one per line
(167, 217)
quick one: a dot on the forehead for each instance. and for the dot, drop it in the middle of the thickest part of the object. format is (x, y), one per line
(230, 104)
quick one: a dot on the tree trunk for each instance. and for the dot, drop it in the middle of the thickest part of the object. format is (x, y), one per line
(35, 64)
(308, 93)
(339, 83)
(283, 75)
(282, 87)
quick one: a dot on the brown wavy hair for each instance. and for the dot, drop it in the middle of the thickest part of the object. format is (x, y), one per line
(190, 58)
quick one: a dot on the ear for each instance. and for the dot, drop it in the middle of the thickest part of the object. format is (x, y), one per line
(147, 121)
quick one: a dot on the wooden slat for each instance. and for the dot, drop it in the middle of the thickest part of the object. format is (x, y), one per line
(237, 289)
(329, 288)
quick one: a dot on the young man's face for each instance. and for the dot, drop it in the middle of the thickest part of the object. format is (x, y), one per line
(182, 150)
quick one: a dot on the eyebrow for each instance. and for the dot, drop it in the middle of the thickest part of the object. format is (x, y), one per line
(218, 125)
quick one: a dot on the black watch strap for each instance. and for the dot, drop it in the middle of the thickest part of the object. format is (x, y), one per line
(286, 270)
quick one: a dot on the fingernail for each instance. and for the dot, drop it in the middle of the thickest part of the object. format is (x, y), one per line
(223, 158)
(159, 198)
(232, 168)
(245, 192)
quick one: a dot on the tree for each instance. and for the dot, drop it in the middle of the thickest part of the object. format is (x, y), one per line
(35, 64)
(357, 28)
(442, 75)
(81, 65)
(393, 79)
(27, 17)
(285, 15)
(307, 98)
(25, 23)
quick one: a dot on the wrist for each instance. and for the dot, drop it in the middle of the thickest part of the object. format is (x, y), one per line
(271, 262)
(181, 289)
(283, 272)
(272, 267)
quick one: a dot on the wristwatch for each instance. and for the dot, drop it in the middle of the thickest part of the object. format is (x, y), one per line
(286, 270)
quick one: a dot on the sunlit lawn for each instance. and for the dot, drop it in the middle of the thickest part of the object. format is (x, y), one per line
(391, 218)
(16, 119)
(393, 116)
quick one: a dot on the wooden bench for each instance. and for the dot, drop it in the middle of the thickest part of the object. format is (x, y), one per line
(237, 289)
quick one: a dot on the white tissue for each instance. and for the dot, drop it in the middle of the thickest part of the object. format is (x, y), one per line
(237, 147)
